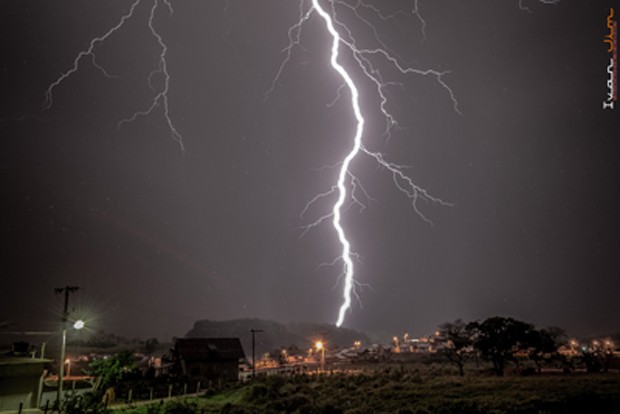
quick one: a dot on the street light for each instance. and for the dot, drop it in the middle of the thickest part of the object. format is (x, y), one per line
(67, 290)
(79, 324)
(321, 347)
(68, 362)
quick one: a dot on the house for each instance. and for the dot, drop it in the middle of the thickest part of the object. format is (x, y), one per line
(209, 359)
(21, 381)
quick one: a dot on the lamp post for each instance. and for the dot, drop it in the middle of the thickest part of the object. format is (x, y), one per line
(79, 324)
(63, 344)
(68, 362)
(320, 346)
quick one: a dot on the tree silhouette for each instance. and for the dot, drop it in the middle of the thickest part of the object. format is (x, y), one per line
(543, 343)
(498, 339)
(459, 337)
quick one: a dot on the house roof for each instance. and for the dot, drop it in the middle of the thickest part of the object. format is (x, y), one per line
(209, 349)
(21, 367)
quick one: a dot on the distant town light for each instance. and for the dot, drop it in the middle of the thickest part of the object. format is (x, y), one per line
(321, 347)
(79, 324)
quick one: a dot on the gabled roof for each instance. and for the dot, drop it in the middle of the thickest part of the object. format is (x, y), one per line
(209, 349)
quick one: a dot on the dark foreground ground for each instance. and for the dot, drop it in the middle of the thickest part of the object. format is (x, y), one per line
(400, 391)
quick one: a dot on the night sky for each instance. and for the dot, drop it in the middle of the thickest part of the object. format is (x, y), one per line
(158, 238)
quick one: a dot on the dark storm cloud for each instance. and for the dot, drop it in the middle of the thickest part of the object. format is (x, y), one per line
(159, 238)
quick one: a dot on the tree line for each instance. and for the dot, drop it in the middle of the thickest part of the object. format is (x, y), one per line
(504, 340)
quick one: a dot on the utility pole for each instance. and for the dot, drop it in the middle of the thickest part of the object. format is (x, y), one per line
(65, 317)
(253, 354)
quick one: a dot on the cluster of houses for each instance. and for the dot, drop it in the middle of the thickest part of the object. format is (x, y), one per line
(24, 374)
(423, 345)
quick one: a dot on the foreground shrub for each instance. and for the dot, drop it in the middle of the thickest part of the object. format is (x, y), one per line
(181, 407)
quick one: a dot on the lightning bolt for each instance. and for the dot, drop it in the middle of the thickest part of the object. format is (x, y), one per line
(343, 40)
(160, 99)
(90, 52)
(344, 169)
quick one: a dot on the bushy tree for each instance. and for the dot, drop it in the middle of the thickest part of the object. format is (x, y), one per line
(111, 371)
(542, 343)
(83, 403)
(498, 339)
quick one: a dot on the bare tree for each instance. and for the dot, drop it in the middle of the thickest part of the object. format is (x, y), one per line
(459, 339)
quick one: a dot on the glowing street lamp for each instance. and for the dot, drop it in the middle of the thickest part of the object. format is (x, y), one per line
(68, 362)
(67, 290)
(79, 324)
(320, 346)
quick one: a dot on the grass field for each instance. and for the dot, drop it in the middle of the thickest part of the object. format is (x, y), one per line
(402, 391)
